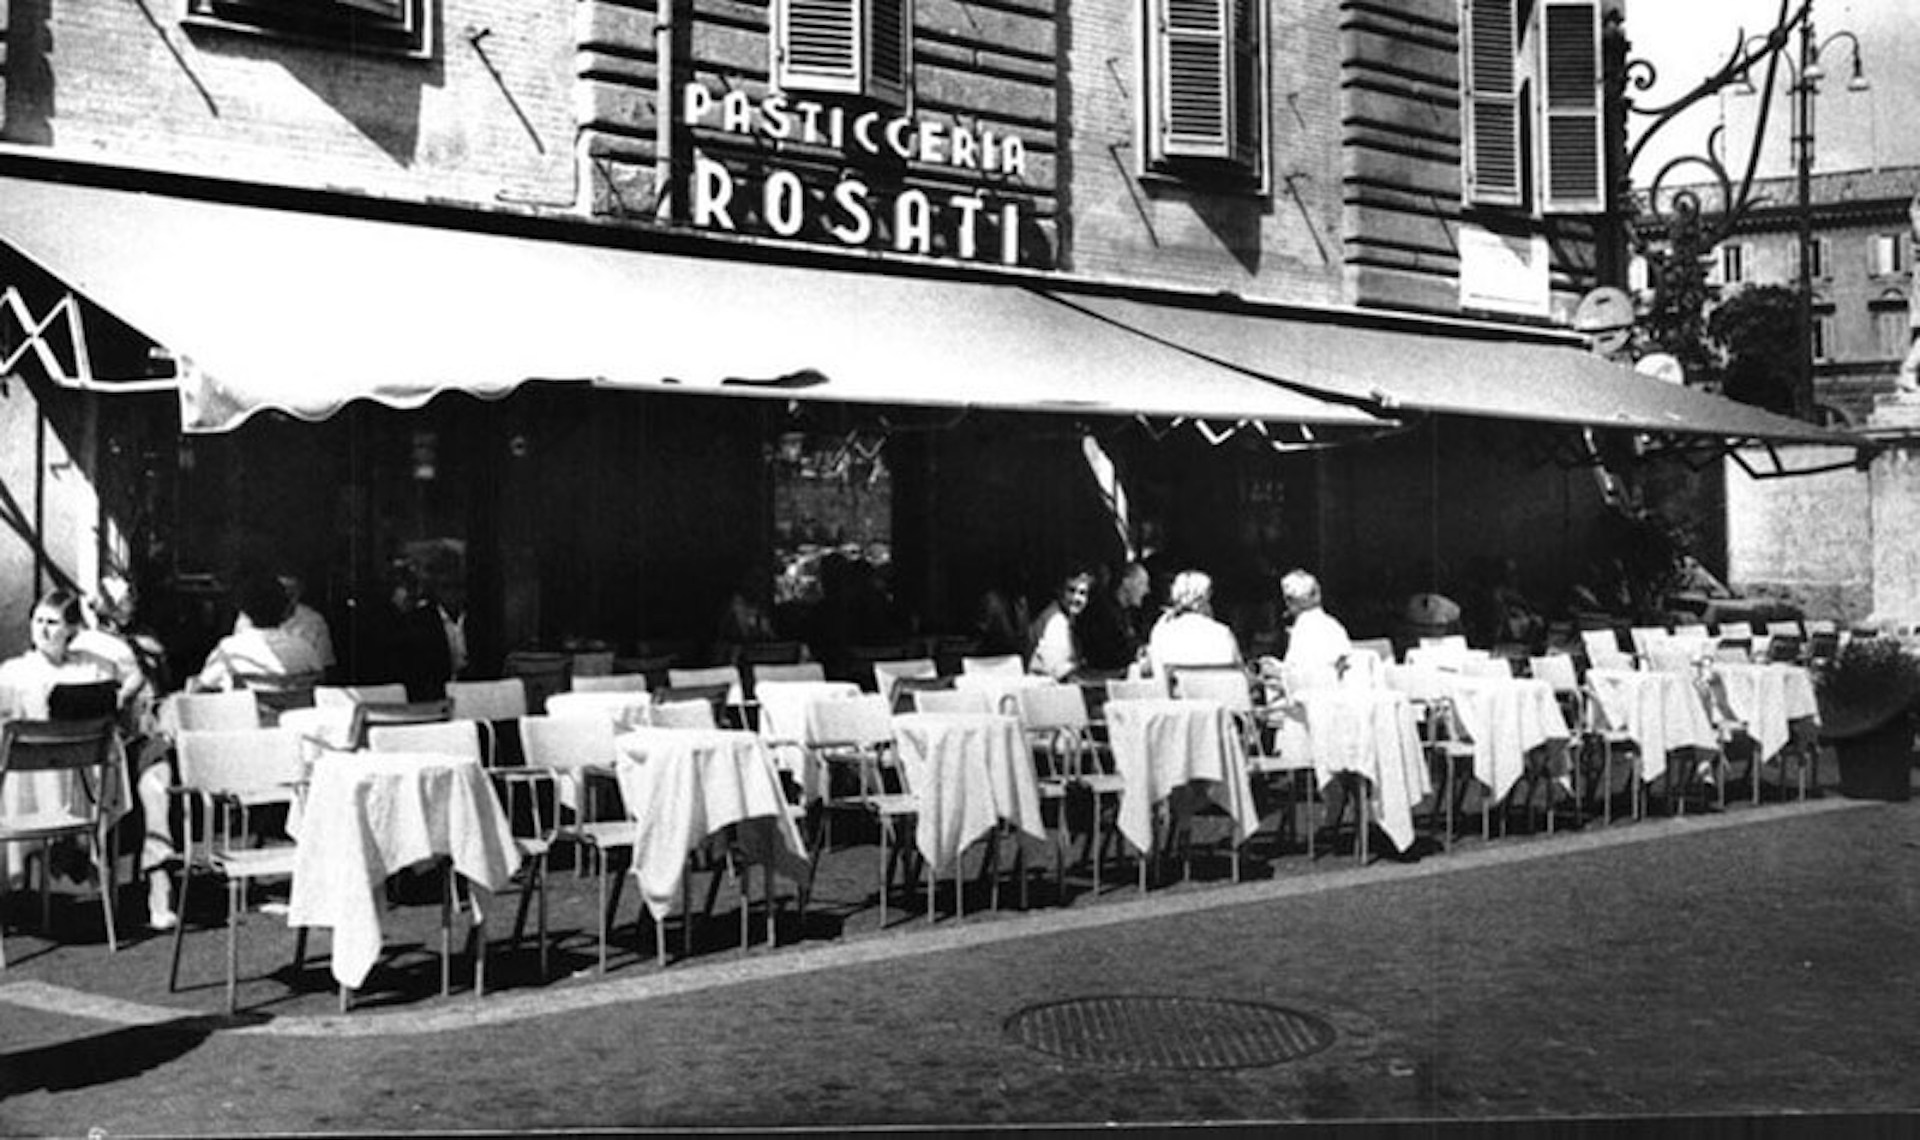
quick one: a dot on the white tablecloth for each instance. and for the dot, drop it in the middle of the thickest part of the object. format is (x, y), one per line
(1768, 699)
(1657, 711)
(1373, 734)
(370, 814)
(1162, 745)
(969, 773)
(1505, 720)
(681, 785)
(625, 710)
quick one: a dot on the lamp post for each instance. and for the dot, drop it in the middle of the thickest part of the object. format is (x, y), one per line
(1804, 74)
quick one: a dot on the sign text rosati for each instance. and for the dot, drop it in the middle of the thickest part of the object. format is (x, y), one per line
(757, 195)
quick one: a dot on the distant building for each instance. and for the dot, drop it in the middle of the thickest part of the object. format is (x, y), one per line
(1862, 274)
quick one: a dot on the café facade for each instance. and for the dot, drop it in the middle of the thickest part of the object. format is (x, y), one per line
(600, 310)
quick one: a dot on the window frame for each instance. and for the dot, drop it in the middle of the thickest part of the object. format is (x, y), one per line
(357, 26)
(1232, 160)
(1894, 261)
(863, 29)
(1527, 81)
(1820, 334)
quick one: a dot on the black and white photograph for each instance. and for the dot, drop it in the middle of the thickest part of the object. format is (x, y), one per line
(1347, 567)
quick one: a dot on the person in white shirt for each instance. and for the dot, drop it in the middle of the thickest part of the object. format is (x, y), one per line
(263, 651)
(1056, 649)
(301, 620)
(1316, 639)
(1187, 633)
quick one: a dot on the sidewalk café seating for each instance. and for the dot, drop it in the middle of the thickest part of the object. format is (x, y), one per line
(578, 754)
(729, 679)
(1443, 739)
(531, 804)
(494, 704)
(1599, 643)
(231, 709)
(222, 776)
(1233, 689)
(73, 761)
(367, 716)
(670, 709)
(720, 696)
(857, 733)
(1060, 731)
(886, 674)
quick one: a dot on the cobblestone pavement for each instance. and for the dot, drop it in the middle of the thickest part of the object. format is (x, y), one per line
(1756, 962)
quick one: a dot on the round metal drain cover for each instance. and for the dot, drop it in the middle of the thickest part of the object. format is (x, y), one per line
(1170, 1032)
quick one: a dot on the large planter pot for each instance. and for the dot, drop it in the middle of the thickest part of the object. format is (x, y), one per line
(1878, 765)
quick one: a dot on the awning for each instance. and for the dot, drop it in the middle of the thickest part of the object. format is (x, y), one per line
(1471, 375)
(303, 312)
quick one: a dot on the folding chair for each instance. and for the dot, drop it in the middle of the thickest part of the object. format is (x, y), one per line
(368, 716)
(492, 704)
(906, 691)
(886, 674)
(733, 694)
(857, 732)
(80, 755)
(1060, 732)
(277, 693)
(214, 712)
(224, 775)
(1599, 643)
(578, 753)
(1233, 690)
(1444, 740)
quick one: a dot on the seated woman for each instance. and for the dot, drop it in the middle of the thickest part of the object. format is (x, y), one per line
(1056, 649)
(1187, 633)
(263, 651)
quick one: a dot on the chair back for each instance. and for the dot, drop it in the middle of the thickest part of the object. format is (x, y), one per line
(275, 693)
(726, 676)
(83, 700)
(998, 665)
(346, 696)
(460, 738)
(1497, 667)
(682, 714)
(1044, 708)
(715, 696)
(1645, 637)
(887, 673)
(1137, 689)
(1227, 685)
(1736, 630)
(542, 673)
(216, 712)
(855, 722)
(1785, 629)
(254, 765)
(1821, 625)
(505, 699)
(610, 683)
(1557, 670)
(1736, 651)
(1599, 641)
(366, 716)
(567, 744)
(1670, 657)
(906, 690)
(1693, 632)
(1423, 683)
(788, 671)
(950, 700)
(1612, 659)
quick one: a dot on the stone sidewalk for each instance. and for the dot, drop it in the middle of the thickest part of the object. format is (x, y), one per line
(1752, 962)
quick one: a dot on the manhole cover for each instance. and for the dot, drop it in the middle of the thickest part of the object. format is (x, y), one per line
(1170, 1032)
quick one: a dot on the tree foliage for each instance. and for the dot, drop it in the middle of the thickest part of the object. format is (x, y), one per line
(1757, 332)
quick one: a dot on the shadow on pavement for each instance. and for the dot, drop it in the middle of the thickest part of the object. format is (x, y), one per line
(107, 1057)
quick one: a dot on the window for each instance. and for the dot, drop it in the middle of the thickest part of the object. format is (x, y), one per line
(1892, 332)
(1822, 332)
(844, 47)
(1729, 264)
(1207, 68)
(393, 27)
(1816, 259)
(1889, 255)
(1567, 168)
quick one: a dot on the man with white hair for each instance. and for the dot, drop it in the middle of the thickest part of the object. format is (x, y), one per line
(1316, 640)
(1187, 634)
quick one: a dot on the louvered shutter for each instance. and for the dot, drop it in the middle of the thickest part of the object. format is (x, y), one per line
(1491, 107)
(817, 45)
(1574, 162)
(889, 49)
(1247, 88)
(1193, 105)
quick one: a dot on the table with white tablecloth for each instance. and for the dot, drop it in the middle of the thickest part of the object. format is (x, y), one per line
(681, 785)
(368, 815)
(1163, 745)
(1658, 711)
(783, 719)
(1505, 720)
(1768, 700)
(969, 773)
(1373, 734)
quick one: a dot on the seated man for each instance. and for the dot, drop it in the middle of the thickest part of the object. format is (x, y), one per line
(264, 649)
(1187, 633)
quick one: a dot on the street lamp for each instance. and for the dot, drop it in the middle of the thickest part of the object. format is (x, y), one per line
(1804, 76)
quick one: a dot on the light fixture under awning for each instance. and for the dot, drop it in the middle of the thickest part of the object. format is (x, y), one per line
(1474, 375)
(303, 312)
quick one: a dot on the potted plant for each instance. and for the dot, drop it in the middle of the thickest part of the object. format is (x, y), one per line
(1867, 698)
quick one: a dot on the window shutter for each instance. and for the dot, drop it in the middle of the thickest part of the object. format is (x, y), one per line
(1247, 85)
(1491, 126)
(1574, 160)
(1193, 85)
(889, 49)
(817, 45)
